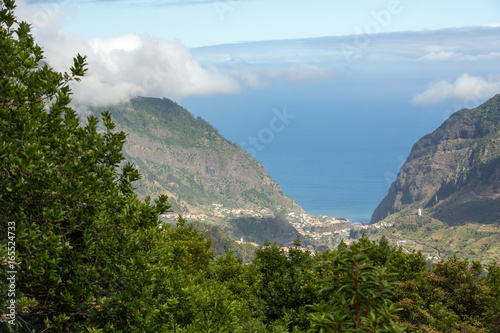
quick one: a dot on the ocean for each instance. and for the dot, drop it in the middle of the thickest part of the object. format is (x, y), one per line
(333, 148)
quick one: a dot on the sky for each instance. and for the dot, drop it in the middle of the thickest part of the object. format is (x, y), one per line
(169, 48)
(203, 22)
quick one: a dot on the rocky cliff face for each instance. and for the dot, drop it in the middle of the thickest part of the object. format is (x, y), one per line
(187, 159)
(454, 172)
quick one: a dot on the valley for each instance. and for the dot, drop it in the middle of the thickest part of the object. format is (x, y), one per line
(212, 181)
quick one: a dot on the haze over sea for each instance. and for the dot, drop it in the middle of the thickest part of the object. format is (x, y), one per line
(340, 150)
(333, 123)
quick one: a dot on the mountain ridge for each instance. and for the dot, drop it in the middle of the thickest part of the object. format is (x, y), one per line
(453, 170)
(187, 158)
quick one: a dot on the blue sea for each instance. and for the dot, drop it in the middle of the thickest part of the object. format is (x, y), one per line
(334, 148)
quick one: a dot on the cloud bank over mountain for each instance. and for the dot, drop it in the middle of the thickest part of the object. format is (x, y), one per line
(131, 64)
(466, 87)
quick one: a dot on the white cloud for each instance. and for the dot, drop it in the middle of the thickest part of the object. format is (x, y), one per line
(125, 66)
(141, 65)
(458, 56)
(438, 56)
(466, 87)
(255, 76)
(307, 73)
(131, 65)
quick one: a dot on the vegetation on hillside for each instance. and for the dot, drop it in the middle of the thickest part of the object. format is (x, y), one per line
(454, 172)
(223, 242)
(452, 176)
(437, 240)
(275, 229)
(80, 252)
(187, 158)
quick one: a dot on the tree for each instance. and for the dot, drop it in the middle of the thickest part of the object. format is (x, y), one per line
(84, 243)
(358, 298)
(286, 284)
(89, 255)
(191, 249)
(450, 297)
(405, 266)
(493, 282)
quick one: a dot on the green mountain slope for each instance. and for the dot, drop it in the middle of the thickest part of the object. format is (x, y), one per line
(453, 173)
(437, 240)
(453, 176)
(187, 159)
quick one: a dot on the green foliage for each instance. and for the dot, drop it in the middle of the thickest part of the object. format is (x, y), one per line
(493, 308)
(450, 297)
(405, 265)
(243, 281)
(191, 249)
(210, 306)
(222, 242)
(357, 298)
(83, 239)
(287, 283)
(461, 283)
(276, 229)
(197, 131)
(183, 155)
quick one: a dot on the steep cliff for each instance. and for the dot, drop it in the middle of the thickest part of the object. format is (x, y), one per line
(186, 158)
(454, 172)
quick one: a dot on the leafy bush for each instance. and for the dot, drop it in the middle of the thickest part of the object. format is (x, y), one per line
(358, 296)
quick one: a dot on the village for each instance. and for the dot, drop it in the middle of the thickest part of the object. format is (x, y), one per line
(320, 227)
(218, 211)
(324, 230)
